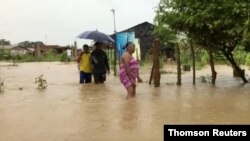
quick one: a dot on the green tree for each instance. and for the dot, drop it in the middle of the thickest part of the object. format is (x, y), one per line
(4, 42)
(217, 25)
(29, 44)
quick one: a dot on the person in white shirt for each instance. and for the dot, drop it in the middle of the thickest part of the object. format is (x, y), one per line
(69, 55)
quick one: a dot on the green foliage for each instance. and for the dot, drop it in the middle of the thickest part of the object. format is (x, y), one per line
(111, 63)
(4, 42)
(50, 56)
(185, 54)
(201, 58)
(185, 59)
(240, 56)
(163, 33)
(161, 61)
(29, 44)
(4, 55)
(64, 57)
(206, 79)
(147, 59)
(41, 82)
(162, 30)
(1, 53)
(216, 20)
(247, 59)
(25, 58)
(215, 23)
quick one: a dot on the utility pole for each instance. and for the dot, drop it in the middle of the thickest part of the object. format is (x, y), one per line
(113, 11)
(114, 63)
(45, 39)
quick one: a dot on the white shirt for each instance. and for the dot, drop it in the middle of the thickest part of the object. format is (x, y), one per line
(69, 52)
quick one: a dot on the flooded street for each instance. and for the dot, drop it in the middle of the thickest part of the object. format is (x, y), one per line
(68, 111)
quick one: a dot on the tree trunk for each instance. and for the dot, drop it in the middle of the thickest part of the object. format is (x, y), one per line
(178, 60)
(193, 59)
(231, 60)
(211, 60)
(156, 71)
(151, 75)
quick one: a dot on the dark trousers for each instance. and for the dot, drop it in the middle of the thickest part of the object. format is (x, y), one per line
(85, 77)
(99, 77)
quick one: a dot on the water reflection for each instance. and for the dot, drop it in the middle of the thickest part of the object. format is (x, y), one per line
(129, 112)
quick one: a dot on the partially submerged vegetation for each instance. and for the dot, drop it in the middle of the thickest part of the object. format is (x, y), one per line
(41, 82)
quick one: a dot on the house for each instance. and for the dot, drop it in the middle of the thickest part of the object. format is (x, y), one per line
(144, 32)
(6, 48)
(19, 50)
(56, 48)
(15, 50)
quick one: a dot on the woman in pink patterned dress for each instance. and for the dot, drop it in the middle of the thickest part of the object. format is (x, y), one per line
(129, 70)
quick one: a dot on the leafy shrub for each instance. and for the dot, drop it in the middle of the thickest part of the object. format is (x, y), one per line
(201, 58)
(206, 79)
(41, 82)
(64, 57)
(240, 56)
(247, 59)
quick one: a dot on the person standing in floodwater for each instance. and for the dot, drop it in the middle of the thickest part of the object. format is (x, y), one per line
(69, 55)
(100, 63)
(129, 70)
(84, 65)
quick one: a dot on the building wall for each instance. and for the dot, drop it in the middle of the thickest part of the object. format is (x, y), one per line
(18, 51)
(143, 32)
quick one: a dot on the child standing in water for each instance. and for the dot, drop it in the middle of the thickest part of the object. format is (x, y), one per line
(84, 65)
(129, 70)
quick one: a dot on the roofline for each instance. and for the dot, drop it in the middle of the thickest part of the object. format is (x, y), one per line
(133, 27)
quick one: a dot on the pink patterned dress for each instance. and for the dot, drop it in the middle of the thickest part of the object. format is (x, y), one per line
(134, 68)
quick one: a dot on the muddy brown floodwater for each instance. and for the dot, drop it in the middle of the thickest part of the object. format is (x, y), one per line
(68, 111)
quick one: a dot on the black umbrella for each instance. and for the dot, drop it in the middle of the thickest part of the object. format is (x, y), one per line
(96, 36)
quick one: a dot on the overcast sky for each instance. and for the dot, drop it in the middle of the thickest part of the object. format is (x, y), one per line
(59, 21)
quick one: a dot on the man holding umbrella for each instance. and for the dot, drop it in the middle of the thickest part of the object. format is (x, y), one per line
(100, 63)
(99, 59)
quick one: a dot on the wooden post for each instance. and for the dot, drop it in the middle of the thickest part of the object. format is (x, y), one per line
(151, 75)
(178, 64)
(114, 61)
(156, 64)
(74, 53)
(38, 52)
(193, 59)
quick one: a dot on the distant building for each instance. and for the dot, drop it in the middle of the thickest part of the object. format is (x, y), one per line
(20, 51)
(6, 47)
(55, 48)
(15, 50)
